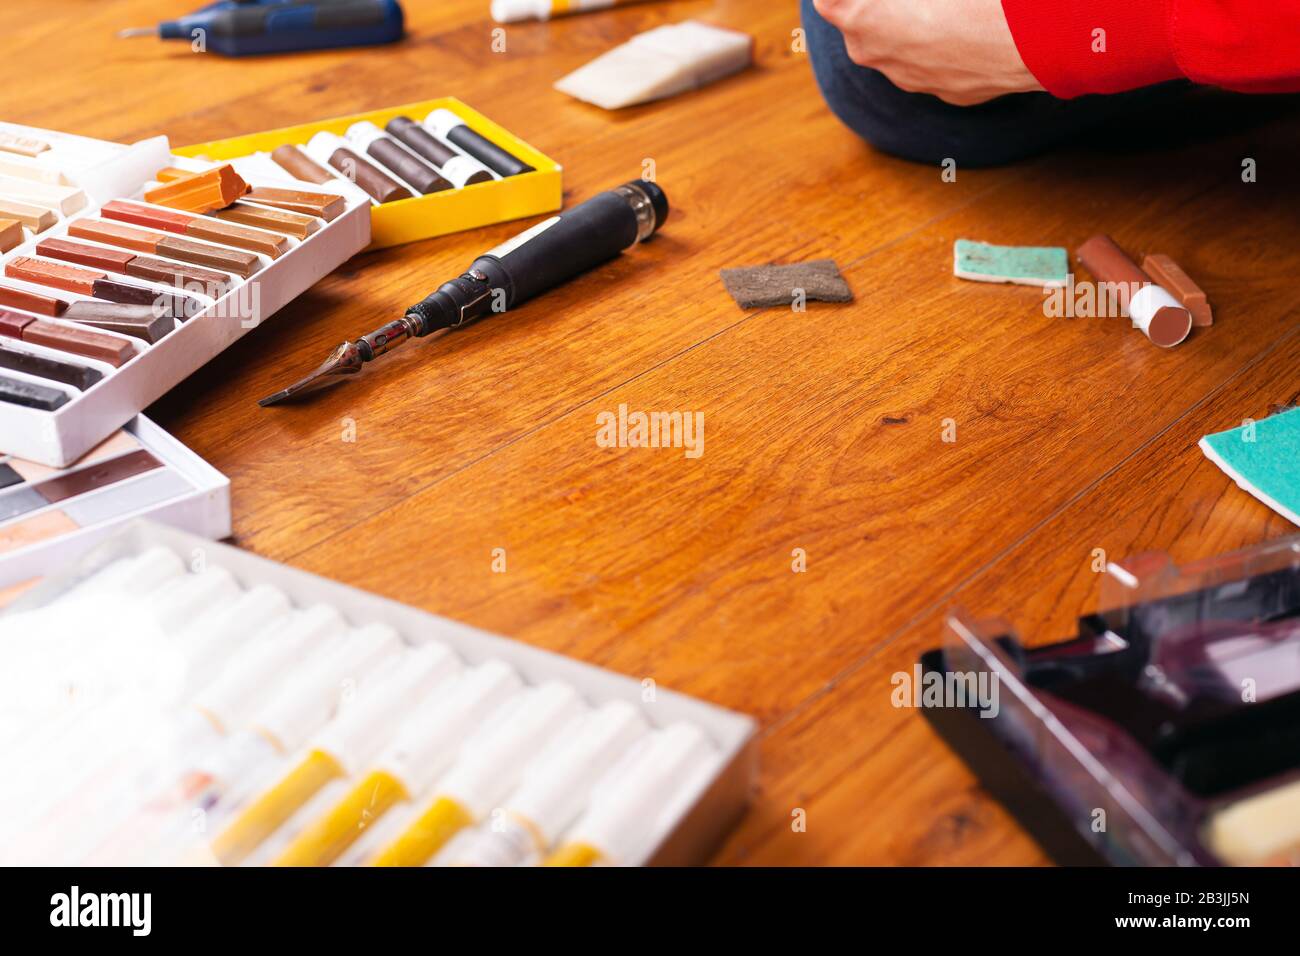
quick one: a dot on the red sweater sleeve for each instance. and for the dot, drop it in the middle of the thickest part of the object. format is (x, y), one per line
(1247, 45)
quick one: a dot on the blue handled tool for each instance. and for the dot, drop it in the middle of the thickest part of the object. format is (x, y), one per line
(247, 27)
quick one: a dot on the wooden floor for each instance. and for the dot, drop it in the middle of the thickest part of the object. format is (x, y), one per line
(824, 430)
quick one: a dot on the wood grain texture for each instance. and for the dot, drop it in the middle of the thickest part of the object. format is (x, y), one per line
(824, 430)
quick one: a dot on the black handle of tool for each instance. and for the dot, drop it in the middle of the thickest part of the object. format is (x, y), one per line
(546, 255)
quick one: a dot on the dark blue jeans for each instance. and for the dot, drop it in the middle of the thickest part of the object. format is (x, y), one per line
(923, 128)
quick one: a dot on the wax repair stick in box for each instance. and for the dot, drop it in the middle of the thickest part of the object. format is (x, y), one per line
(151, 623)
(425, 746)
(309, 696)
(343, 748)
(119, 782)
(67, 629)
(632, 796)
(554, 791)
(488, 768)
(257, 612)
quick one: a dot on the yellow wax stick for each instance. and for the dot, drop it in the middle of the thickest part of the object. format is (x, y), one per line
(488, 768)
(427, 744)
(325, 840)
(427, 835)
(269, 812)
(343, 746)
(574, 854)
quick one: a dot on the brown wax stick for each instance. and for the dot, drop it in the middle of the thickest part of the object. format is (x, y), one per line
(1109, 263)
(242, 264)
(96, 284)
(114, 234)
(176, 305)
(301, 166)
(241, 237)
(197, 227)
(11, 234)
(148, 323)
(54, 275)
(80, 377)
(35, 218)
(168, 220)
(210, 283)
(377, 184)
(1152, 308)
(110, 260)
(1171, 276)
(191, 278)
(327, 206)
(410, 168)
(83, 342)
(31, 301)
(13, 323)
(70, 484)
(276, 220)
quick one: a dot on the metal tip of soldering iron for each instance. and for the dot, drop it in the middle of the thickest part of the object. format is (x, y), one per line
(346, 360)
(137, 32)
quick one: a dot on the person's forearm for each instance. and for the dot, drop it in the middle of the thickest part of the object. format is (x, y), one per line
(1105, 46)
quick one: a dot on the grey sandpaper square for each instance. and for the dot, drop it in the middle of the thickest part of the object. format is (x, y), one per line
(761, 286)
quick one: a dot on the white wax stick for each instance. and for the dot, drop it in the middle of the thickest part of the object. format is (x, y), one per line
(659, 63)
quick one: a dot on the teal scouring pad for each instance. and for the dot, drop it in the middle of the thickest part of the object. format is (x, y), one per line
(1024, 265)
(1263, 458)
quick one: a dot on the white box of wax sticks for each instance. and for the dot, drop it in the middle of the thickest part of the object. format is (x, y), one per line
(92, 173)
(248, 713)
(49, 516)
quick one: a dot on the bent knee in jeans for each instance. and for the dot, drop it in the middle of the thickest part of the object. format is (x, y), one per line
(923, 128)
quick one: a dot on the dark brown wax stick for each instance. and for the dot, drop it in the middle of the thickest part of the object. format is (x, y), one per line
(73, 483)
(378, 185)
(368, 137)
(80, 377)
(143, 322)
(460, 168)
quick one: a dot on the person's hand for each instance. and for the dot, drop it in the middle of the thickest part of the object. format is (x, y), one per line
(959, 50)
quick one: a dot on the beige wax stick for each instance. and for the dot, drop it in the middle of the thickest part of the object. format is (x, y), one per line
(11, 165)
(22, 145)
(35, 218)
(64, 200)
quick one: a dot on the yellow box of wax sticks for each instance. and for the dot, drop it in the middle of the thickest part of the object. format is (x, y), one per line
(422, 216)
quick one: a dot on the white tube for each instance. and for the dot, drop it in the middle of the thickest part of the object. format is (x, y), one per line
(1146, 304)
(554, 790)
